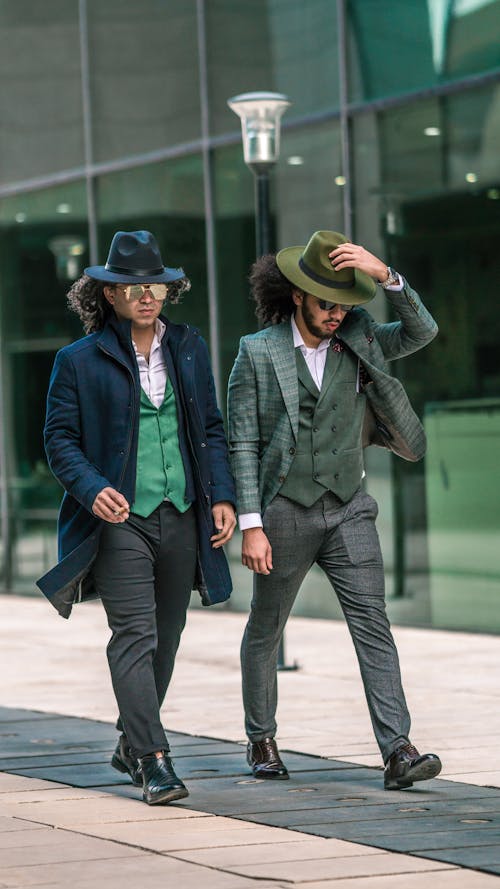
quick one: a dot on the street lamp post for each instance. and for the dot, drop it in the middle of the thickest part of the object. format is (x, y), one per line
(260, 115)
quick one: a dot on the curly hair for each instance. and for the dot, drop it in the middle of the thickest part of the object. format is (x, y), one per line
(271, 291)
(86, 298)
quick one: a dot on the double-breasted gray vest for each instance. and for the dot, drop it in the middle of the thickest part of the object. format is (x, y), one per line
(328, 455)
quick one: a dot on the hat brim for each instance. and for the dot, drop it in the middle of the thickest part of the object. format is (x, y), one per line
(101, 273)
(363, 291)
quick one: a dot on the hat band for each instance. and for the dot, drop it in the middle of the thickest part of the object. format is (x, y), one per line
(327, 282)
(145, 273)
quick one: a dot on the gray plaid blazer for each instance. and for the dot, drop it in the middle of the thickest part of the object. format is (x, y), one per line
(263, 395)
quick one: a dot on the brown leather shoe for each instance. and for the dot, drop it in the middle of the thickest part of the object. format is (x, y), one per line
(406, 765)
(264, 760)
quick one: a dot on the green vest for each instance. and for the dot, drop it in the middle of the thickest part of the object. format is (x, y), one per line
(160, 471)
(329, 454)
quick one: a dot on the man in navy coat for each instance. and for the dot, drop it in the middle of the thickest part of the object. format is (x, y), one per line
(134, 435)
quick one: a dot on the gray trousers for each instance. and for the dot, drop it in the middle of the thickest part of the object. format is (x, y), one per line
(144, 572)
(343, 541)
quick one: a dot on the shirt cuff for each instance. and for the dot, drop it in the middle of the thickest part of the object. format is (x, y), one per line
(396, 287)
(250, 520)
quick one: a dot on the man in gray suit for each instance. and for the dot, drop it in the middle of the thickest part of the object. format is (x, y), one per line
(306, 394)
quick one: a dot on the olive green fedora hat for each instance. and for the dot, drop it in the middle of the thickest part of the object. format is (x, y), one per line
(311, 270)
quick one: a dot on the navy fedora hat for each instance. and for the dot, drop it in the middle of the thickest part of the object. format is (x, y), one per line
(134, 257)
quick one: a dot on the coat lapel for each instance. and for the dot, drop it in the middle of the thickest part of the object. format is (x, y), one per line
(282, 354)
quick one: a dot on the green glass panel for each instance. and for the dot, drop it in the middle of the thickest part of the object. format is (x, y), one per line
(397, 47)
(436, 198)
(43, 247)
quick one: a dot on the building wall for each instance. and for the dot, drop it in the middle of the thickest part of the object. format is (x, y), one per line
(114, 116)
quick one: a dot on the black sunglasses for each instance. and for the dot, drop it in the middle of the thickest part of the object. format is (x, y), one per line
(327, 306)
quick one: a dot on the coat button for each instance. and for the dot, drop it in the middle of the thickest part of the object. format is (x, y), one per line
(334, 407)
(315, 429)
(316, 476)
(336, 475)
(203, 444)
(291, 451)
(281, 478)
(188, 357)
(316, 453)
(335, 451)
(334, 428)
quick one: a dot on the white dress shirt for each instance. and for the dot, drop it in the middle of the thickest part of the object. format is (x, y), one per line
(153, 373)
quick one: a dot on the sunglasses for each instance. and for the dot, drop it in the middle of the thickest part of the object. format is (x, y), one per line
(134, 292)
(327, 306)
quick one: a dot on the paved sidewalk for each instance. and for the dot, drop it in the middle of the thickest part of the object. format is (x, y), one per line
(53, 834)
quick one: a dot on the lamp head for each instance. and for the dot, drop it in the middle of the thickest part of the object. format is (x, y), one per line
(260, 115)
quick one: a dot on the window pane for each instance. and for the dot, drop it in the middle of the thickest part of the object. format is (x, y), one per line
(437, 200)
(40, 100)
(43, 247)
(397, 47)
(283, 45)
(144, 75)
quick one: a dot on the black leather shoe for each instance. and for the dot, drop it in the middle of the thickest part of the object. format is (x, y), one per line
(406, 765)
(264, 760)
(160, 783)
(125, 761)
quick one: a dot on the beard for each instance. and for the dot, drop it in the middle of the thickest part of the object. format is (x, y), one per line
(314, 329)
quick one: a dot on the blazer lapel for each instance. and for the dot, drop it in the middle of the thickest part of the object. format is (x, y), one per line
(282, 355)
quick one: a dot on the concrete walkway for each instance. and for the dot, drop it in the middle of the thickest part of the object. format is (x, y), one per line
(53, 834)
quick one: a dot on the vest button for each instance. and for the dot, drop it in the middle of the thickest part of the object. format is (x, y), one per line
(203, 444)
(336, 475)
(292, 451)
(188, 357)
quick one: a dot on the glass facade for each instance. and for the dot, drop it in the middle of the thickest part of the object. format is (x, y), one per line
(116, 117)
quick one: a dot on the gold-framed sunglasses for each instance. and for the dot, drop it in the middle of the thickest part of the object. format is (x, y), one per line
(134, 292)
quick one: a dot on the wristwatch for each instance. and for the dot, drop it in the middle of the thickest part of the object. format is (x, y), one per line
(392, 278)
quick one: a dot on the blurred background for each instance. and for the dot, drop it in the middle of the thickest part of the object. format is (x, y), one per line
(114, 116)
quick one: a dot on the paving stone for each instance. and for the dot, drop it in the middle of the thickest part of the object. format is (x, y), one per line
(312, 849)
(63, 846)
(445, 879)
(13, 825)
(145, 870)
(170, 837)
(338, 868)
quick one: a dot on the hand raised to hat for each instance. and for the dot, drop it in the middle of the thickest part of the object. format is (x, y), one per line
(353, 256)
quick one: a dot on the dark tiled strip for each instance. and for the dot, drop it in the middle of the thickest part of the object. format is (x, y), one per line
(441, 820)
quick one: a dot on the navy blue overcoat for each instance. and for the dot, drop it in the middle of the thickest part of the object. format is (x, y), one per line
(91, 436)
